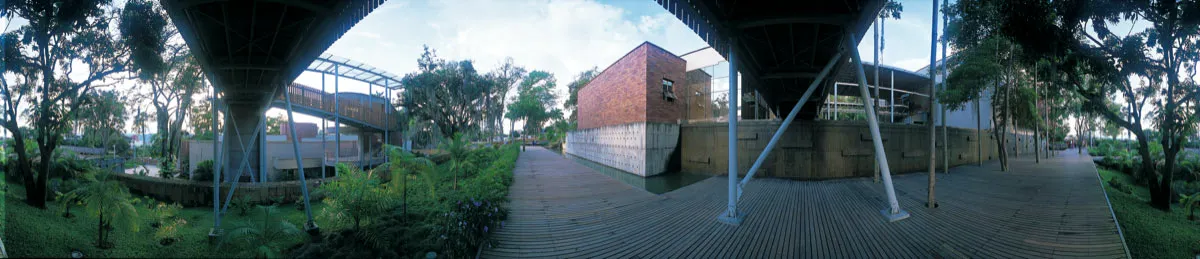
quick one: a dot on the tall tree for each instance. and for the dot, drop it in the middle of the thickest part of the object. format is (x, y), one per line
(61, 37)
(449, 94)
(504, 78)
(102, 118)
(1077, 35)
(164, 65)
(581, 80)
(534, 102)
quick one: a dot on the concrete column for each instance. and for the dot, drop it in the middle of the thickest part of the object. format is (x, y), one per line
(245, 118)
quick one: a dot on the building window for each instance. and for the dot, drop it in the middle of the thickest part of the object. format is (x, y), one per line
(668, 89)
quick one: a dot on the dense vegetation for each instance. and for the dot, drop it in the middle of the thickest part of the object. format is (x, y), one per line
(1149, 232)
(405, 210)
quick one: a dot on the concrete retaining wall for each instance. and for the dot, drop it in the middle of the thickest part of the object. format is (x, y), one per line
(191, 193)
(827, 150)
(639, 148)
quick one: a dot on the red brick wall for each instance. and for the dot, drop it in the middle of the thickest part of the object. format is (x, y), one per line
(660, 65)
(622, 92)
(617, 95)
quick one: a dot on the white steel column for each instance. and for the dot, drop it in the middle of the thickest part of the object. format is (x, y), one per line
(788, 121)
(324, 131)
(216, 173)
(893, 212)
(310, 225)
(731, 215)
(337, 121)
(892, 101)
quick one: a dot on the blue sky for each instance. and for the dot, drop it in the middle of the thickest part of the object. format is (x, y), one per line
(563, 37)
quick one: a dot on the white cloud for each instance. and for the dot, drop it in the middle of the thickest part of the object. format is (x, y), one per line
(560, 37)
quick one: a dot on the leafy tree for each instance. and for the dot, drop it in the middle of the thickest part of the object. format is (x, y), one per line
(61, 38)
(451, 94)
(989, 68)
(1077, 37)
(108, 201)
(581, 80)
(163, 62)
(534, 102)
(266, 239)
(503, 78)
(201, 120)
(274, 124)
(102, 117)
(354, 197)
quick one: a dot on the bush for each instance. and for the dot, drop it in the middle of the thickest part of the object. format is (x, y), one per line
(466, 227)
(204, 171)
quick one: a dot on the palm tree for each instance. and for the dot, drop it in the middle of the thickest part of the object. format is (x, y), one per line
(108, 201)
(271, 235)
(404, 164)
(457, 148)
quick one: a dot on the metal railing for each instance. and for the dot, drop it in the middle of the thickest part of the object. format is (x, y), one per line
(371, 110)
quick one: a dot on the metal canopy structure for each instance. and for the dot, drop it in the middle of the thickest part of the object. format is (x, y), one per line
(344, 67)
(779, 46)
(782, 44)
(252, 49)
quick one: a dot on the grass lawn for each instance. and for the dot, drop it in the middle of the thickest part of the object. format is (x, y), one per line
(33, 232)
(1149, 232)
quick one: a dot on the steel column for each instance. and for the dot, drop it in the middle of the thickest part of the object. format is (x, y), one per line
(337, 120)
(217, 166)
(732, 216)
(310, 226)
(893, 212)
(892, 101)
(788, 121)
(324, 131)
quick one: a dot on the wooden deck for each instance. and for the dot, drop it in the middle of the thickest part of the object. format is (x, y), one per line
(561, 209)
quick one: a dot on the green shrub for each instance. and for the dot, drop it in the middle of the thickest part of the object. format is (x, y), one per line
(356, 196)
(242, 204)
(262, 239)
(204, 171)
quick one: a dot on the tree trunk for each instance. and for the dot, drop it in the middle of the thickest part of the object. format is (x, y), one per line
(34, 194)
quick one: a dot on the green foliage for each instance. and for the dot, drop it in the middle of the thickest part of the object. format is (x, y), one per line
(451, 94)
(535, 101)
(109, 202)
(581, 80)
(1149, 232)
(166, 168)
(1190, 203)
(262, 239)
(356, 196)
(204, 171)
(467, 225)
(242, 204)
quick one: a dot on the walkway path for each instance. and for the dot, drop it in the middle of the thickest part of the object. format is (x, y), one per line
(561, 209)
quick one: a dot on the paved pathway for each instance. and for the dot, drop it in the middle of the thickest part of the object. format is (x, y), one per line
(561, 209)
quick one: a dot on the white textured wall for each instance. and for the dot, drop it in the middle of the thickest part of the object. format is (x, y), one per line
(639, 148)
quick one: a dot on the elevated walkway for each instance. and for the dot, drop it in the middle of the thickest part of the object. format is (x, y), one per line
(357, 110)
(1057, 208)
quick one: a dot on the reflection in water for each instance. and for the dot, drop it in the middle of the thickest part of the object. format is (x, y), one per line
(658, 184)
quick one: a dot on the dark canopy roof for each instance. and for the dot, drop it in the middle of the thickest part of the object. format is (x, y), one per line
(780, 45)
(252, 48)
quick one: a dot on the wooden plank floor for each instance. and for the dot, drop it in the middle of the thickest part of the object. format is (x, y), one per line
(561, 209)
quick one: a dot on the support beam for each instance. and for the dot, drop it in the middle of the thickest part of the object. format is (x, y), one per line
(310, 225)
(932, 125)
(216, 231)
(828, 19)
(787, 122)
(893, 212)
(324, 132)
(731, 215)
(337, 120)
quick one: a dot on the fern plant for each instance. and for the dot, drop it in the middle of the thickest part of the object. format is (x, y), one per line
(262, 239)
(109, 202)
(354, 197)
(458, 149)
(1190, 203)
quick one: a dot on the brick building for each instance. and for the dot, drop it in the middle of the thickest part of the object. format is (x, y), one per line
(629, 114)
